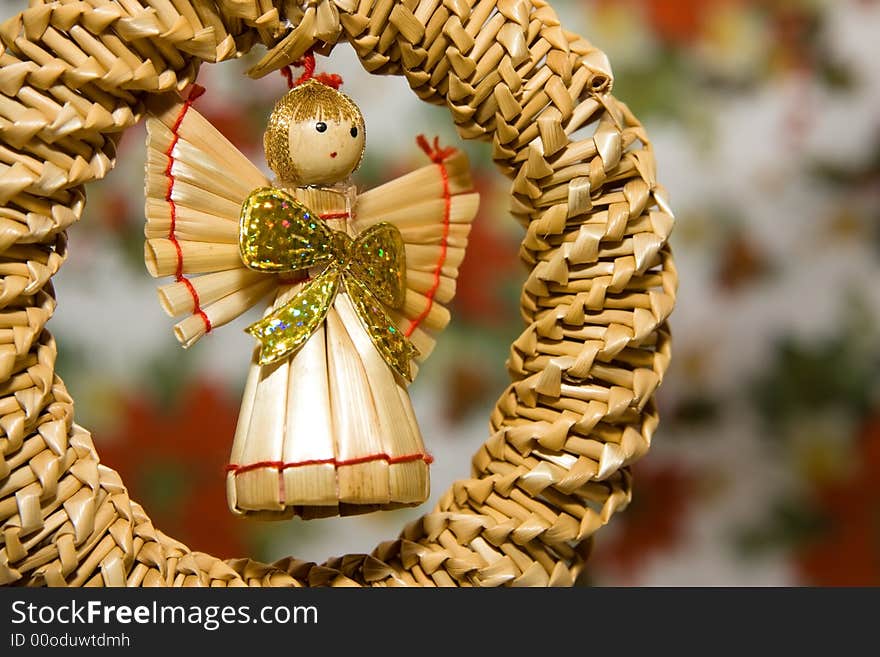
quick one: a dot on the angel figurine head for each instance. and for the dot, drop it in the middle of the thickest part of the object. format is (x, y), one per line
(315, 136)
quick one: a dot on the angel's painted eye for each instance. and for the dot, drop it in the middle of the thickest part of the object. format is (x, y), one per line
(354, 132)
(320, 126)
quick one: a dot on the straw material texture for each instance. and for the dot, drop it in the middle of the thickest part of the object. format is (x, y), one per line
(602, 282)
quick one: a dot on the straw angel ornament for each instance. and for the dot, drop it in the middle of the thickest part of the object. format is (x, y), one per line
(360, 284)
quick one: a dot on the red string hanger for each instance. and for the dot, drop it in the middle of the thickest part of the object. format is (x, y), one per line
(307, 63)
(435, 151)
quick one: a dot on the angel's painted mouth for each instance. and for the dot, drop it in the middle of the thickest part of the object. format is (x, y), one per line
(333, 154)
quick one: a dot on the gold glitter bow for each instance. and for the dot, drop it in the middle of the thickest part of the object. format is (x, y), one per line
(279, 234)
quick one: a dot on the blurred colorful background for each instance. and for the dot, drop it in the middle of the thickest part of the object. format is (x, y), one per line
(765, 116)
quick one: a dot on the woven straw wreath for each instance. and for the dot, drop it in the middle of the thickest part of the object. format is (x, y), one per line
(595, 346)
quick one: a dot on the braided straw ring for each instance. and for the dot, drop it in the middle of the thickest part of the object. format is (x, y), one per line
(584, 370)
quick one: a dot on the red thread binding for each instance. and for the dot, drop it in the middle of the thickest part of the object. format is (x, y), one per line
(307, 62)
(332, 80)
(334, 215)
(194, 93)
(288, 75)
(438, 156)
(281, 465)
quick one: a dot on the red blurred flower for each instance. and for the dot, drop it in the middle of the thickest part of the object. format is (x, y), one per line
(468, 385)
(653, 523)
(741, 263)
(676, 21)
(116, 211)
(847, 553)
(491, 268)
(794, 32)
(172, 461)
(235, 123)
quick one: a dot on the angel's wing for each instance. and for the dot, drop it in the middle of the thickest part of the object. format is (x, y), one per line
(433, 207)
(196, 182)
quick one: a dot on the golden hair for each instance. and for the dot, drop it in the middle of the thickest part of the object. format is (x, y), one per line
(310, 100)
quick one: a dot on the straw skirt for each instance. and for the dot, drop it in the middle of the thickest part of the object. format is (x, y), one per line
(328, 430)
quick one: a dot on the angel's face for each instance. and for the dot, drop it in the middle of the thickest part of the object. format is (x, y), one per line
(326, 151)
